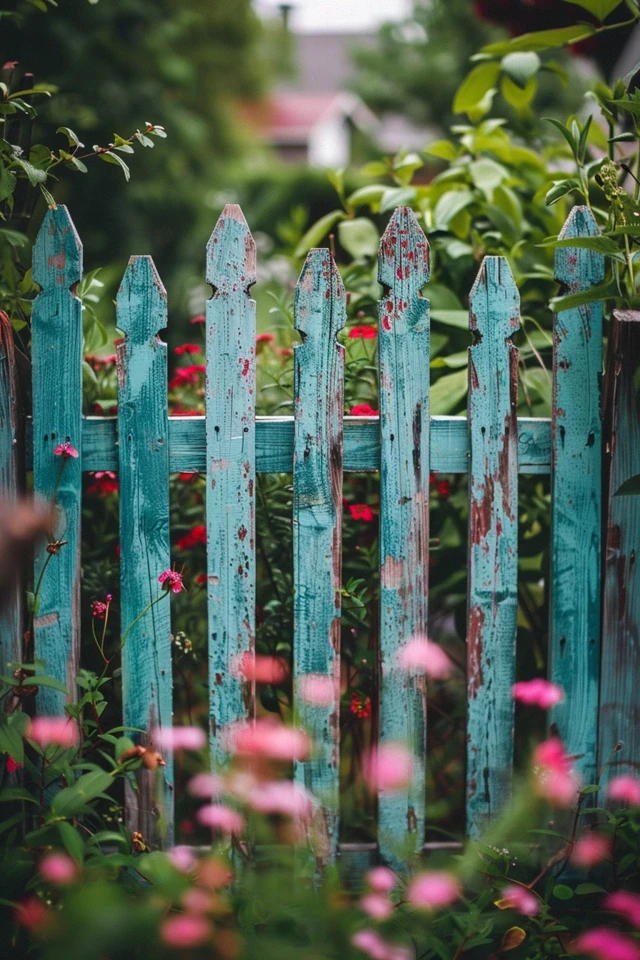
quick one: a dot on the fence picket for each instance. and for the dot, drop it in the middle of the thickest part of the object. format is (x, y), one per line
(56, 356)
(494, 316)
(619, 709)
(320, 312)
(574, 634)
(230, 428)
(403, 269)
(143, 430)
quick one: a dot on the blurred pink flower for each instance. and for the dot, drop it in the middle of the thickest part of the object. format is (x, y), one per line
(550, 753)
(171, 580)
(183, 858)
(182, 931)
(376, 905)
(605, 944)
(261, 669)
(31, 913)
(591, 848)
(433, 889)
(219, 817)
(625, 788)
(317, 689)
(58, 868)
(625, 903)
(389, 767)
(205, 786)
(381, 879)
(371, 943)
(554, 779)
(268, 738)
(420, 654)
(522, 900)
(61, 730)
(168, 739)
(538, 693)
(196, 900)
(65, 450)
(283, 797)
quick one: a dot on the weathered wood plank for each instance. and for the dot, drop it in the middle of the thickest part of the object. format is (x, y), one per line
(143, 430)
(230, 448)
(57, 419)
(574, 634)
(320, 312)
(11, 484)
(403, 269)
(494, 316)
(620, 665)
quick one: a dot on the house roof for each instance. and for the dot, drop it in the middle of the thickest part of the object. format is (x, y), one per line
(288, 117)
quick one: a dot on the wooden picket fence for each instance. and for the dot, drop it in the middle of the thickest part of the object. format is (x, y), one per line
(317, 444)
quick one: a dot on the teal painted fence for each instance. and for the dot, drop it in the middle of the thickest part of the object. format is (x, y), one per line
(230, 445)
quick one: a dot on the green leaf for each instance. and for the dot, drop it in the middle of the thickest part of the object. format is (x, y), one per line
(359, 237)
(521, 67)
(470, 95)
(630, 488)
(71, 841)
(449, 205)
(515, 96)
(448, 392)
(601, 291)
(34, 175)
(374, 169)
(114, 158)
(562, 891)
(599, 244)
(584, 888)
(560, 189)
(16, 793)
(487, 175)
(69, 800)
(366, 196)
(8, 182)
(541, 40)
(566, 133)
(599, 8)
(72, 137)
(397, 197)
(452, 318)
(318, 231)
(443, 149)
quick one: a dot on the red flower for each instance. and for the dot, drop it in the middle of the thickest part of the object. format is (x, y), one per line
(195, 535)
(201, 579)
(188, 477)
(361, 708)
(31, 913)
(199, 319)
(100, 608)
(105, 482)
(171, 580)
(363, 410)
(65, 450)
(188, 348)
(363, 332)
(264, 338)
(361, 511)
(12, 765)
(444, 488)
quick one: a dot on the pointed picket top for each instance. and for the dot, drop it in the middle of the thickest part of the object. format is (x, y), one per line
(57, 254)
(319, 296)
(403, 261)
(577, 267)
(494, 301)
(231, 253)
(142, 301)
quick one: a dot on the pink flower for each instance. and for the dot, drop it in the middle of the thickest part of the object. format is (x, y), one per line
(58, 868)
(261, 669)
(183, 858)
(65, 450)
(605, 944)
(31, 913)
(12, 764)
(182, 931)
(264, 338)
(188, 348)
(433, 889)
(199, 319)
(61, 730)
(590, 849)
(360, 511)
(376, 905)
(420, 654)
(522, 900)
(626, 789)
(538, 693)
(317, 689)
(205, 786)
(268, 738)
(371, 943)
(550, 753)
(283, 797)
(171, 580)
(381, 879)
(99, 609)
(363, 332)
(389, 767)
(219, 817)
(363, 410)
(197, 900)
(178, 738)
(625, 903)
(554, 779)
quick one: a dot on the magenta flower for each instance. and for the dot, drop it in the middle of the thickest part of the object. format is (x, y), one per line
(376, 905)
(65, 450)
(626, 904)
(371, 943)
(60, 730)
(590, 849)
(554, 778)
(381, 879)
(171, 580)
(219, 817)
(389, 767)
(183, 858)
(433, 889)
(318, 689)
(522, 900)
(626, 789)
(283, 797)
(182, 931)
(205, 786)
(58, 868)
(605, 944)
(538, 693)
(423, 656)
(268, 738)
(168, 739)
(258, 668)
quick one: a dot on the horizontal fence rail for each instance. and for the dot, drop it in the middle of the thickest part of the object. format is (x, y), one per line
(230, 445)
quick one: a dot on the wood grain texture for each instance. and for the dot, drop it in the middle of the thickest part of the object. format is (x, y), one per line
(143, 466)
(230, 448)
(575, 578)
(494, 316)
(320, 312)
(403, 269)
(11, 484)
(57, 417)
(620, 666)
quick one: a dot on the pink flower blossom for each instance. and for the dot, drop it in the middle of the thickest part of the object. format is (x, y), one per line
(363, 410)
(197, 900)
(188, 348)
(219, 817)
(58, 868)
(376, 905)
(522, 900)
(268, 738)
(318, 689)
(550, 753)
(625, 903)
(205, 786)
(182, 931)
(433, 889)
(183, 858)
(283, 797)
(538, 693)
(626, 789)
(171, 580)
(371, 943)
(363, 331)
(591, 848)
(65, 450)
(178, 738)
(554, 779)
(381, 879)
(389, 767)
(605, 944)
(31, 913)
(423, 656)
(261, 669)
(199, 319)
(61, 730)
